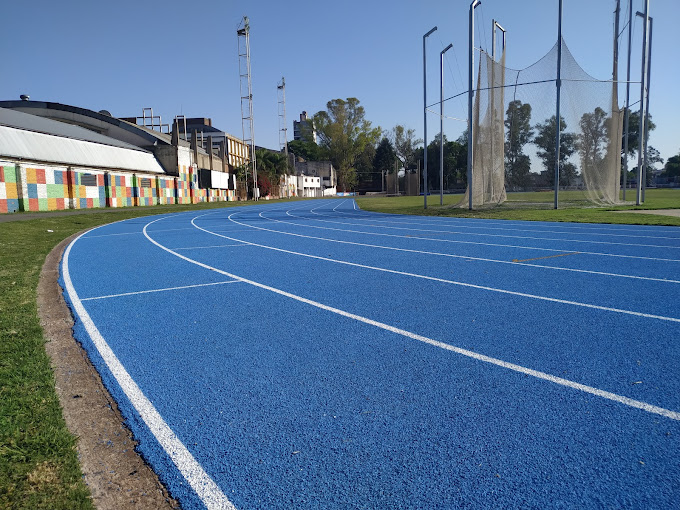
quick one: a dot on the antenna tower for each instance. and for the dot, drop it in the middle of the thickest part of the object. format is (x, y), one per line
(247, 123)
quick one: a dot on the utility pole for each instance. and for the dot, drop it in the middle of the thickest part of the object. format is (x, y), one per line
(471, 59)
(425, 118)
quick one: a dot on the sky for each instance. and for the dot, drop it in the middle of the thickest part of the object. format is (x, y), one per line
(182, 57)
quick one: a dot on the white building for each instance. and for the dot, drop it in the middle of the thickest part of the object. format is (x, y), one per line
(309, 186)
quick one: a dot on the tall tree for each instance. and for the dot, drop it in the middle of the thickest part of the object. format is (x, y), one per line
(367, 177)
(405, 144)
(634, 132)
(344, 132)
(518, 133)
(385, 157)
(593, 140)
(545, 140)
(307, 150)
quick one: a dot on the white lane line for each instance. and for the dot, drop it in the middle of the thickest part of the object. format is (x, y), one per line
(157, 290)
(133, 233)
(674, 415)
(423, 252)
(442, 280)
(214, 246)
(478, 234)
(461, 222)
(204, 486)
(506, 229)
(477, 243)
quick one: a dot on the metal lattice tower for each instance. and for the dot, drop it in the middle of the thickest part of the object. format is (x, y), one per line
(245, 82)
(283, 129)
(283, 125)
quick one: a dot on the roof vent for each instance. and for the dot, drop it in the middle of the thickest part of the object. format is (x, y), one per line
(105, 112)
(24, 97)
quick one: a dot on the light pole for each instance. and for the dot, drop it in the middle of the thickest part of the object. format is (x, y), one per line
(649, 73)
(441, 123)
(425, 116)
(558, 84)
(471, 59)
(643, 87)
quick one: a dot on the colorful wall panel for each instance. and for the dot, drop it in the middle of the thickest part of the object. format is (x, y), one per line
(87, 189)
(197, 194)
(166, 190)
(145, 186)
(120, 190)
(42, 188)
(184, 187)
(9, 192)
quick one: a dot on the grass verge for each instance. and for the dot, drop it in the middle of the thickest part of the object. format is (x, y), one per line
(540, 210)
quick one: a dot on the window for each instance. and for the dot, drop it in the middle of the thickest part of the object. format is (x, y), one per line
(144, 182)
(88, 180)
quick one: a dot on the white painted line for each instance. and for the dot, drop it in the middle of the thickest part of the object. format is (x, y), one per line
(204, 486)
(132, 233)
(477, 243)
(157, 290)
(674, 415)
(459, 224)
(214, 246)
(442, 280)
(465, 257)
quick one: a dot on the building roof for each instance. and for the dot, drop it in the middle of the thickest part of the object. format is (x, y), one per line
(38, 139)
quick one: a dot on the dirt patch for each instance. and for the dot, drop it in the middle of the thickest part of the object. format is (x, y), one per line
(116, 475)
(661, 212)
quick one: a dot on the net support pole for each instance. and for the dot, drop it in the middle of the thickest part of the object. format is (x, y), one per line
(615, 70)
(441, 123)
(425, 118)
(558, 84)
(471, 59)
(643, 87)
(649, 82)
(627, 111)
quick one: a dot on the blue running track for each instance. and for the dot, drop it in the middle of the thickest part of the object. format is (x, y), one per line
(313, 355)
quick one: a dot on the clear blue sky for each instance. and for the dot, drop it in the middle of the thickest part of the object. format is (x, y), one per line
(181, 57)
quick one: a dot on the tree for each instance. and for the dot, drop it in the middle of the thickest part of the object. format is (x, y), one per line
(593, 140)
(367, 177)
(672, 167)
(519, 133)
(455, 163)
(307, 150)
(270, 166)
(634, 132)
(385, 158)
(545, 140)
(405, 144)
(343, 133)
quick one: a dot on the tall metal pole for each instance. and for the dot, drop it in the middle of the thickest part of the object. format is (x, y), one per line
(649, 73)
(649, 81)
(643, 86)
(558, 84)
(425, 116)
(471, 59)
(627, 111)
(441, 123)
(615, 70)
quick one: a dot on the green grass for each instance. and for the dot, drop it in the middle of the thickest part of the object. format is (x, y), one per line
(38, 462)
(535, 206)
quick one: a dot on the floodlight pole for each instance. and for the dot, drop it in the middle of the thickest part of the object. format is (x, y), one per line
(441, 123)
(425, 117)
(649, 79)
(557, 104)
(494, 26)
(471, 59)
(627, 111)
(643, 86)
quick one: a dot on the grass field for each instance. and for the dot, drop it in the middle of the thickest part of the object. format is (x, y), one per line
(654, 199)
(38, 461)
